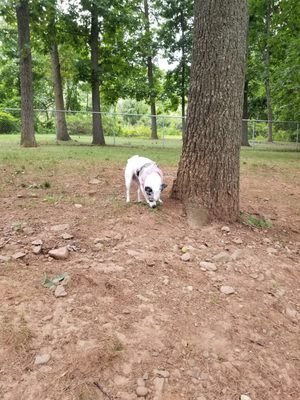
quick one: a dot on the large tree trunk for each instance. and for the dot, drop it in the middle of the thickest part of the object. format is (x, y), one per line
(267, 72)
(183, 61)
(150, 75)
(208, 175)
(61, 125)
(27, 117)
(244, 138)
(98, 135)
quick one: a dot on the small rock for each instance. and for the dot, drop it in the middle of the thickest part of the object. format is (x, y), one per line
(62, 227)
(99, 246)
(158, 388)
(188, 289)
(4, 258)
(60, 291)
(185, 257)
(227, 290)
(140, 382)
(78, 205)
(208, 266)
(67, 236)
(36, 249)
(271, 250)
(222, 257)
(291, 313)
(37, 242)
(42, 359)
(98, 240)
(18, 255)
(146, 376)
(245, 397)
(238, 255)
(267, 240)
(184, 249)
(61, 253)
(163, 373)
(141, 391)
(225, 229)
(94, 181)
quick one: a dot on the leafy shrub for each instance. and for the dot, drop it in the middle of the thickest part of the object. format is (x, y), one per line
(8, 123)
(81, 124)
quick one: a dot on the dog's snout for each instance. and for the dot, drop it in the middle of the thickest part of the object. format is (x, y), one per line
(153, 206)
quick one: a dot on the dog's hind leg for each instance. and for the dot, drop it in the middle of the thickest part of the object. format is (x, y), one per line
(128, 179)
(139, 194)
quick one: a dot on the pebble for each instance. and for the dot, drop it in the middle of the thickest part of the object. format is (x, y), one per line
(67, 236)
(141, 391)
(140, 382)
(185, 257)
(162, 372)
(4, 258)
(207, 266)
(225, 229)
(271, 250)
(237, 241)
(60, 291)
(37, 242)
(36, 249)
(61, 253)
(18, 255)
(78, 205)
(238, 255)
(42, 359)
(227, 290)
(245, 397)
(94, 181)
(222, 257)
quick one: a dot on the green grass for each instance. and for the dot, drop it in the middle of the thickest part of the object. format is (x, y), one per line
(255, 222)
(49, 155)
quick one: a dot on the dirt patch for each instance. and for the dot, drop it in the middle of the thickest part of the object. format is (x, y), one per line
(134, 309)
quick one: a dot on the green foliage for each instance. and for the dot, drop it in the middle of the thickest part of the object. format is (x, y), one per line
(8, 123)
(255, 222)
(81, 124)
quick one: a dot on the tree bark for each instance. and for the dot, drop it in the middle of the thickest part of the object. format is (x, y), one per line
(150, 75)
(208, 174)
(183, 61)
(244, 138)
(98, 135)
(267, 72)
(61, 125)
(27, 116)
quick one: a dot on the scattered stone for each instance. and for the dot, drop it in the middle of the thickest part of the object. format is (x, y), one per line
(267, 240)
(225, 229)
(67, 236)
(37, 242)
(185, 249)
(42, 359)
(78, 205)
(158, 388)
(185, 257)
(4, 259)
(222, 257)
(207, 266)
(146, 376)
(140, 382)
(271, 250)
(291, 313)
(36, 249)
(141, 391)
(99, 246)
(60, 291)
(94, 181)
(62, 227)
(18, 255)
(245, 397)
(237, 241)
(227, 290)
(238, 255)
(61, 253)
(163, 373)
(188, 289)
(98, 240)
(150, 263)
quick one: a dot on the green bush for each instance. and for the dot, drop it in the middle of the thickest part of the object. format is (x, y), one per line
(81, 124)
(8, 123)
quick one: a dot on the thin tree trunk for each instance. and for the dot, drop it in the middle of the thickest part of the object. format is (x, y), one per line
(27, 117)
(267, 73)
(98, 135)
(61, 125)
(208, 176)
(244, 138)
(150, 75)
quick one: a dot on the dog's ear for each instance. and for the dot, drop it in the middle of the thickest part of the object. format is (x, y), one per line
(163, 186)
(148, 190)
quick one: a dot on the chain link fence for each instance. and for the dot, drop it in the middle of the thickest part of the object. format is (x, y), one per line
(127, 129)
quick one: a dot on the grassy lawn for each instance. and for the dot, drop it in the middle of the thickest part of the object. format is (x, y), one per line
(49, 152)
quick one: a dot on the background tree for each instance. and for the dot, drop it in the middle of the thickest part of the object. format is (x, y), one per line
(27, 132)
(208, 174)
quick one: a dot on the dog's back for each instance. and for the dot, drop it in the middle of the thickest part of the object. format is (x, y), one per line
(134, 163)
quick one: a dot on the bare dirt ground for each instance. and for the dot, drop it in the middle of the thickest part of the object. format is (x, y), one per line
(135, 313)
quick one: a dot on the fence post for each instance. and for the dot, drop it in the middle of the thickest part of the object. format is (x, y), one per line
(163, 132)
(253, 133)
(114, 128)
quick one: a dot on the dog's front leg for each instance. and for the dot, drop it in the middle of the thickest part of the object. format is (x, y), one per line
(139, 194)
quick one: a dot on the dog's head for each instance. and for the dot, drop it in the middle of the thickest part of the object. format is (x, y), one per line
(153, 190)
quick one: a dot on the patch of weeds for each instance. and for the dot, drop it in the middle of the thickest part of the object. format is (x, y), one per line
(255, 222)
(49, 198)
(45, 185)
(17, 336)
(17, 226)
(117, 346)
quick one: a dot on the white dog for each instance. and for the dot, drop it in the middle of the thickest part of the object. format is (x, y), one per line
(148, 177)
